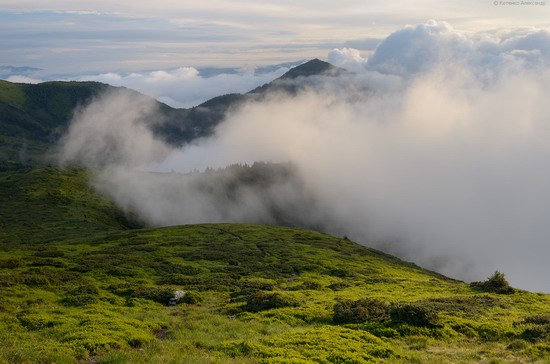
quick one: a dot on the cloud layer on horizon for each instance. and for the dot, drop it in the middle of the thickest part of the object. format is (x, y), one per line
(185, 86)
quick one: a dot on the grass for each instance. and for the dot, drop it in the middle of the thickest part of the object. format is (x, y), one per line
(80, 282)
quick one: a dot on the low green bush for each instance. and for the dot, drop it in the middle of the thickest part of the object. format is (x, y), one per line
(496, 283)
(36, 321)
(191, 297)
(362, 310)
(339, 285)
(10, 263)
(83, 294)
(261, 301)
(342, 273)
(537, 320)
(311, 285)
(536, 333)
(51, 262)
(414, 314)
(466, 306)
(465, 329)
(49, 253)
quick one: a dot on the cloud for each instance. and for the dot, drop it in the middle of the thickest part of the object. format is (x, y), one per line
(22, 79)
(440, 159)
(114, 129)
(347, 58)
(416, 50)
(136, 35)
(185, 86)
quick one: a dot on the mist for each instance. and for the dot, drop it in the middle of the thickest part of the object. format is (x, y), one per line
(436, 150)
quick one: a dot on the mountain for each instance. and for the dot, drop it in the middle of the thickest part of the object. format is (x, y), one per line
(313, 67)
(84, 281)
(298, 78)
(79, 282)
(34, 116)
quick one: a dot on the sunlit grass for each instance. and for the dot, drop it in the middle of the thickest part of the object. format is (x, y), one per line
(99, 291)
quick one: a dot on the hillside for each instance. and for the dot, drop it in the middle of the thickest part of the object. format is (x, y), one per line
(83, 281)
(34, 116)
(79, 282)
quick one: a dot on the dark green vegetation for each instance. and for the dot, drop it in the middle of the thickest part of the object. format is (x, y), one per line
(34, 117)
(496, 283)
(82, 282)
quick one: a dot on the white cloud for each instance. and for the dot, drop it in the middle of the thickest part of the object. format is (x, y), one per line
(347, 58)
(22, 79)
(185, 87)
(416, 50)
(113, 129)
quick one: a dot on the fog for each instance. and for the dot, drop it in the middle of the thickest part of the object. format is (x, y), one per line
(436, 149)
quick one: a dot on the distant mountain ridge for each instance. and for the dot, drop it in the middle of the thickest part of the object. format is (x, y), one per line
(34, 116)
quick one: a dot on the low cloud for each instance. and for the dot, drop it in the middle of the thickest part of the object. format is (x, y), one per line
(436, 155)
(114, 129)
(186, 86)
(348, 58)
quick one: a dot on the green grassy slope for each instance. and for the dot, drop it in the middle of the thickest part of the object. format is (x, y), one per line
(33, 117)
(38, 205)
(77, 285)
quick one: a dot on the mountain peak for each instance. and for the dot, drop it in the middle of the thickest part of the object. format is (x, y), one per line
(311, 68)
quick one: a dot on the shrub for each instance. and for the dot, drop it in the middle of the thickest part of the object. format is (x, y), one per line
(84, 294)
(308, 285)
(537, 320)
(339, 285)
(261, 301)
(536, 333)
(191, 298)
(465, 329)
(336, 272)
(36, 321)
(52, 253)
(496, 283)
(52, 262)
(154, 293)
(10, 263)
(415, 315)
(494, 331)
(469, 306)
(362, 310)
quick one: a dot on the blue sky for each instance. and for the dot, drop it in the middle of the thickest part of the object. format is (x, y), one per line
(99, 36)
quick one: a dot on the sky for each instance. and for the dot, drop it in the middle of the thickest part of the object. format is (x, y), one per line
(74, 37)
